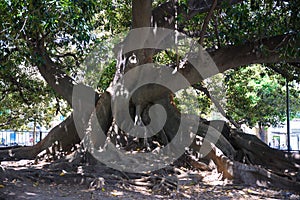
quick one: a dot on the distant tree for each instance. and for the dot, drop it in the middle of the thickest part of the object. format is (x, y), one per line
(256, 95)
(25, 98)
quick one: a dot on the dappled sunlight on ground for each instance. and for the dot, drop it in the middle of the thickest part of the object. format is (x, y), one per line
(26, 180)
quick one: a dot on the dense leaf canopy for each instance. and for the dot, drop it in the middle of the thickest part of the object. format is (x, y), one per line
(258, 95)
(69, 29)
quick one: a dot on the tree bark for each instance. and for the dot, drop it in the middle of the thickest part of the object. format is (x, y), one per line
(141, 13)
(244, 157)
(261, 132)
(229, 57)
(67, 134)
(163, 15)
(238, 148)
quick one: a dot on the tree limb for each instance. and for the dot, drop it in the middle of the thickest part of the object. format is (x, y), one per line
(227, 58)
(164, 14)
(144, 7)
(206, 21)
(216, 30)
(55, 77)
(252, 53)
(233, 56)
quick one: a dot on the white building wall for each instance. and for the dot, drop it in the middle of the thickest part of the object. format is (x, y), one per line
(279, 135)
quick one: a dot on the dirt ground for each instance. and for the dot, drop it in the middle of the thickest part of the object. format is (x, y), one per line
(43, 181)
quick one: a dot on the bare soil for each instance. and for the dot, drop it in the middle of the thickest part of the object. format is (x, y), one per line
(27, 179)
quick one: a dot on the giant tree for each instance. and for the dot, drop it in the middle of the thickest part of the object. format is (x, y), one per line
(54, 37)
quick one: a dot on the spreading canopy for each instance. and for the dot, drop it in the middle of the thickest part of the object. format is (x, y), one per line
(51, 38)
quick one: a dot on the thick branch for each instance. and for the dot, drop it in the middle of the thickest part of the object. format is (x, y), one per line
(56, 78)
(65, 133)
(164, 14)
(225, 58)
(245, 54)
(141, 13)
(252, 53)
(141, 17)
(285, 68)
(68, 133)
(60, 82)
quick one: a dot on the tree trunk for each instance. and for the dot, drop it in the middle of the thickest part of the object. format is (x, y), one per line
(240, 156)
(66, 135)
(261, 132)
(244, 157)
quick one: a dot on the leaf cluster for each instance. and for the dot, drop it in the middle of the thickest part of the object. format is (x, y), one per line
(257, 94)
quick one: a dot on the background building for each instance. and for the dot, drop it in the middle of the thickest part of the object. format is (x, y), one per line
(277, 136)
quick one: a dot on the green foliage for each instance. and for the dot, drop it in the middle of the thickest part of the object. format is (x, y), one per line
(115, 16)
(26, 99)
(65, 27)
(257, 95)
(265, 19)
(71, 29)
(107, 76)
(194, 102)
(247, 21)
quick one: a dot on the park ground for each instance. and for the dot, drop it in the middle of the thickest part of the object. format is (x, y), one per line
(27, 179)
